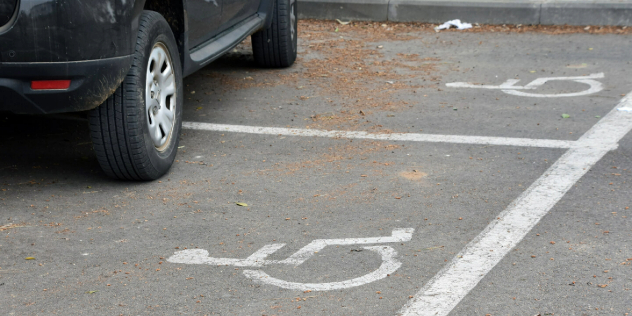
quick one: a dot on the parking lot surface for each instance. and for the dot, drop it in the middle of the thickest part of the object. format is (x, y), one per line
(392, 170)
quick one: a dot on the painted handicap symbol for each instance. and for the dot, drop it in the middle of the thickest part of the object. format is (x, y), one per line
(509, 86)
(258, 259)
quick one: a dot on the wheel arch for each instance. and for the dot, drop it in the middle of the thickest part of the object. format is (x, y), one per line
(174, 12)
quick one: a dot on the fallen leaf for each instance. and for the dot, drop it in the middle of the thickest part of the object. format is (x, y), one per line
(241, 204)
(565, 115)
(91, 292)
(343, 23)
(29, 258)
(602, 285)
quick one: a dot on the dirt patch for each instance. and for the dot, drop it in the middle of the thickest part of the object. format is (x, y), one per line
(414, 175)
(341, 157)
(352, 72)
(86, 214)
(11, 226)
(340, 65)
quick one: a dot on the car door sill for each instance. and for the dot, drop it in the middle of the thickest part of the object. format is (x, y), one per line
(210, 50)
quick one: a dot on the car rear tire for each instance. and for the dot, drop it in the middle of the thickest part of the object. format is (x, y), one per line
(275, 46)
(135, 132)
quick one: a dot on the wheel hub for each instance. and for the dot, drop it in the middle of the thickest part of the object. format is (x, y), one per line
(160, 96)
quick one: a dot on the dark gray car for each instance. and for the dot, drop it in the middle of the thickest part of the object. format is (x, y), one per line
(124, 61)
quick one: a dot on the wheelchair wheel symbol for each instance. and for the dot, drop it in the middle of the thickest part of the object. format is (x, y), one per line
(509, 86)
(258, 259)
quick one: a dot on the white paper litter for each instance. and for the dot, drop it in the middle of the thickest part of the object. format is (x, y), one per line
(625, 109)
(456, 23)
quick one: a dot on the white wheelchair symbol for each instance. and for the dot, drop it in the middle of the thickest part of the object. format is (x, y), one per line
(258, 259)
(510, 88)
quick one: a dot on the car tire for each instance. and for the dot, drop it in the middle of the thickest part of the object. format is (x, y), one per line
(275, 46)
(135, 132)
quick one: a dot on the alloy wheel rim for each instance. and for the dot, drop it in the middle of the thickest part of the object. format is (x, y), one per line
(160, 96)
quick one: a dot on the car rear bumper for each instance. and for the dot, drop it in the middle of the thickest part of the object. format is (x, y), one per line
(92, 82)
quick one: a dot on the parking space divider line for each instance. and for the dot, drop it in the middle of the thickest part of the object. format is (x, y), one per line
(450, 285)
(413, 137)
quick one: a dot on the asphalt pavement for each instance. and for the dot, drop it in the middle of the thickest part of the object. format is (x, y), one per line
(392, 170)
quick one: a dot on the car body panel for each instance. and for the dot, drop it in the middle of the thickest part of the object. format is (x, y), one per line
(204, 20)
(70, 30)
(91, 43)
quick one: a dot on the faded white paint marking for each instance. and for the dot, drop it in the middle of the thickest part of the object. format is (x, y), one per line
(200, 256)
(446, 289)
(509, 86)
(389, 265)
(258, 259)
(432, 138)
(399, 235)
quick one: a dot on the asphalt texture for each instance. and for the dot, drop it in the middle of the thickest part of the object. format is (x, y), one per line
(97, 246)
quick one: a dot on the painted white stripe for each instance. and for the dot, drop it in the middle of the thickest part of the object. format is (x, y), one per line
(510, 87)
(595, 86)
(446, 289)
(432, 138)
(510, 83)
(398, 235)
(201, 256)
(389, 265)
(258, 259)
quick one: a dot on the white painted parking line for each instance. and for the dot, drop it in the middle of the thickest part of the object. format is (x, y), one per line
(509, 86)
(446, 289)
(413, 137)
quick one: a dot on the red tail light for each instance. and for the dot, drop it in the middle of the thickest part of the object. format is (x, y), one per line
(50, 84)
